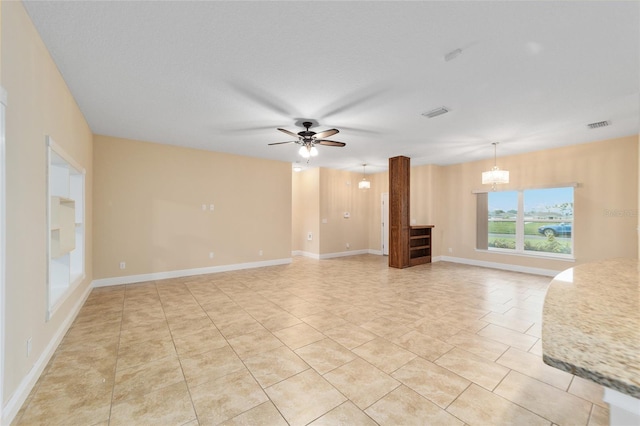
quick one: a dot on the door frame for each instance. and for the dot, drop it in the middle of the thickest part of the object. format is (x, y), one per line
(384, 219)
(3, 239)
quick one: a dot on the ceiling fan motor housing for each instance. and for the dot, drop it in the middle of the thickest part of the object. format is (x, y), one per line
(307, 134)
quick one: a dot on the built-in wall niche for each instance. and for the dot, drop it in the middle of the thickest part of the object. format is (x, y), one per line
(66, 225)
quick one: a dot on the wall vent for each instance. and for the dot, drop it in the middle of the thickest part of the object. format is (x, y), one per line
(436, 112)
(598, 124)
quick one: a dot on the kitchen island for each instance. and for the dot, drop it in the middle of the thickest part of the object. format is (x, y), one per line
(591, 328)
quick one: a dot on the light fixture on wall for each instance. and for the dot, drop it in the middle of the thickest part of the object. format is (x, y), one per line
(364, 183)
(495, 176)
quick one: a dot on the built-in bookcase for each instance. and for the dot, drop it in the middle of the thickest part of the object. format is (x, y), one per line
(66, 202)
(420, 245)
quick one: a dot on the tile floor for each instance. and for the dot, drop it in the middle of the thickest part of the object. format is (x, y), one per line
(342, 341)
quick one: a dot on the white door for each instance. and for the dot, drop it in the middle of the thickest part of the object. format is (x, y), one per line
(385, 224)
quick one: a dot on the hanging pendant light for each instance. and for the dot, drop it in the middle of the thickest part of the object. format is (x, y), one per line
(364, 183)
(495, 176)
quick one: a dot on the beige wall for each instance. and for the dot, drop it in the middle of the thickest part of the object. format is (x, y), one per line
(320, 198)
(147, 208)
(607, 174)
(306, 211)
(426, 201)
(339, 193)
(39, 104)
(425, 206)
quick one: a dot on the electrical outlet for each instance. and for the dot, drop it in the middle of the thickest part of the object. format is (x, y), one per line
(450, 250)
(211, 207)
(204, 207)
(348, 245)
(28, 347)
(260, 253)
(123, 265)
(309, 236)
(210, 255)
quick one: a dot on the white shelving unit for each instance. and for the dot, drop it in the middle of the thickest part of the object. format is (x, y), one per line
(66, 225)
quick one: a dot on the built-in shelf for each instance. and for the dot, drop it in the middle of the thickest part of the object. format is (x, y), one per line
(63, 226)
(408, 245)
(420, 244)
(66, 225)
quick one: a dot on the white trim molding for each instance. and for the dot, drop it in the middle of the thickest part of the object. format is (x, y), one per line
(131, 279)
(554, 185)
(623, 409)
(305, 254)
(3, 248)
(336, 254)
(26, 385)
(496, 265)
(343, 254)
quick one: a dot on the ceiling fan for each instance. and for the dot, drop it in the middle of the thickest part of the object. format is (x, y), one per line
(308, 139)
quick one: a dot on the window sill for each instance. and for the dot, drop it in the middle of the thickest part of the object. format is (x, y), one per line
(75, 281)
(547, 256)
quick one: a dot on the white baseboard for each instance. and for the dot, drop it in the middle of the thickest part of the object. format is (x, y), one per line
(130, 279)
(305, 254)
(337, 254)
(503, 266)
(343, 254)
(20, 395)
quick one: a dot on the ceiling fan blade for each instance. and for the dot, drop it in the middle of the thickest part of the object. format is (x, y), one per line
(329, 143)
(280, 143)
(326, 133)
(288, 132)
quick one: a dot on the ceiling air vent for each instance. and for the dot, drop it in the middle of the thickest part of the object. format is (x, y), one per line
(436, 112)
(598, 124)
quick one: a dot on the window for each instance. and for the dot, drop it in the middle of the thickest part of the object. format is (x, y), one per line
(533, 221)
(502, 216)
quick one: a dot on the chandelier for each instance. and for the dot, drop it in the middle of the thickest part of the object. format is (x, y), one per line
(495, 176)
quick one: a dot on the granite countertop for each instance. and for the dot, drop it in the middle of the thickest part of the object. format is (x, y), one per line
(591, 323)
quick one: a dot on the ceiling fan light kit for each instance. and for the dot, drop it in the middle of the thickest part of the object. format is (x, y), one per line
(307, 151)
(308, 139)
(495, 176)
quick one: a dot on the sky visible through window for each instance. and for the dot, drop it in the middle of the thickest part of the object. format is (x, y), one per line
(535, 199)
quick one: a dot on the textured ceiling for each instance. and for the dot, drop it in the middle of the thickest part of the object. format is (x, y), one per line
(222, 76)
